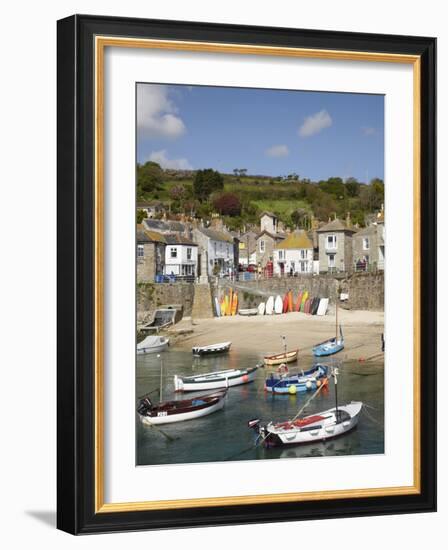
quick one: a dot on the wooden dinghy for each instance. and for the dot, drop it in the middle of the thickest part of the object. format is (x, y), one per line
(304, 381)
(321, 426)
(279, 358)
(222, 347)
(166, 412)
(248, 312)
(152, 344)
(215, 380)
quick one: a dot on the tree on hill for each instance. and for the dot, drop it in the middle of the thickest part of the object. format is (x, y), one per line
(352, 187)
(205, 182)
(149, 177)
(141, 215)
(228, 204)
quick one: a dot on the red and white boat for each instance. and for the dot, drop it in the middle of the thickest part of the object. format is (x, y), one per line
(321, 426)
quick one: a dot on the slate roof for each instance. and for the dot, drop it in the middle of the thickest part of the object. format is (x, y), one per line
(294, 241)
(178, 239)
(216, 235)
(335, 225)
(275, 236)
(366, 231)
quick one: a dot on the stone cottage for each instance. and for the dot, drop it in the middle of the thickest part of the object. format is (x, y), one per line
(335, 247)
(150, 255)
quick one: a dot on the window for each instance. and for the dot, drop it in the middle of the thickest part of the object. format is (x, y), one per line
(262, 246)
(280, 255)
(173, 252)
(331, 242)
(188, 253)
(140, 251)
(303, 267)
(330, 260)
(303, 254)
(365, 243)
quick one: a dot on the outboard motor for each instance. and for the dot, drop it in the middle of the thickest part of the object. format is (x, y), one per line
(144, 406)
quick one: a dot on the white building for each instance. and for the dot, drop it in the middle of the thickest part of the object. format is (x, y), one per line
(181, 257)
(294, 255)
(216, 251)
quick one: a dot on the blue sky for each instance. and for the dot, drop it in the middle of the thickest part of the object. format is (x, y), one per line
(269, 132)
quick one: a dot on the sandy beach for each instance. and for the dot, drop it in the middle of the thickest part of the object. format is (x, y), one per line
(362, 332)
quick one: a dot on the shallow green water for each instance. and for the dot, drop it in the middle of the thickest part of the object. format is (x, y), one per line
(224, 435)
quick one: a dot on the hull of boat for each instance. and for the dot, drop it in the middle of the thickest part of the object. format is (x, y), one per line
(222, 380)
(154, 349)
(198, 411)
(248, 312)
(274, 360)
(326, 350)
(210, 350)
(320, 431)
(311, 380)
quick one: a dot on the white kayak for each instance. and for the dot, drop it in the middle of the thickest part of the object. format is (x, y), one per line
(215, 380)
(261, 308)
(317, 427)
(270, 306)
(323, 306)
(278, 307)
(153, 344)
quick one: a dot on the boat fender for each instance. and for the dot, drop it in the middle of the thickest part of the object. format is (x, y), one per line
(318, 383)
(308, 384)
(292, 390)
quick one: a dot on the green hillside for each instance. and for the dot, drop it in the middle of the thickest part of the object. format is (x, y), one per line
(241, 198)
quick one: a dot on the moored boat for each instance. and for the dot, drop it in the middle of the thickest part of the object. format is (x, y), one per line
(152, 344)
(279, 358)
(215, 380)
(222, 347)
(248, 311)
(321, 426)
(167, 412)
(330, 346)
(308, 380)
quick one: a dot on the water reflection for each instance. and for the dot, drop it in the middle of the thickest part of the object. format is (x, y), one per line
(224, 435)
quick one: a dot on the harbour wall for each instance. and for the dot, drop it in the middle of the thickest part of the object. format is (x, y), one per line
(365, 290)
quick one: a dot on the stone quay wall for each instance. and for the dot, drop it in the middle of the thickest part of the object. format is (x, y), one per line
(365, 290)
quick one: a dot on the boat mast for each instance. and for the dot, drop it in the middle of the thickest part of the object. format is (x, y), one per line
(284, 343)
(335, 376)
(161, 376)
(336, 318)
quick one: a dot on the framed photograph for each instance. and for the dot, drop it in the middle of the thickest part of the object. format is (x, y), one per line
(247, 274)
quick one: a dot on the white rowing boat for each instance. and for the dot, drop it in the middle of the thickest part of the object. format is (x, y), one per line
(249, 311)
(310, 429)
(215, 380)
(222, 347)
(153, 344)
(167, 412)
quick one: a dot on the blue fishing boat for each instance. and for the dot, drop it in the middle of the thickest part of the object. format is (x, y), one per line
(329, 347)
(301, 382)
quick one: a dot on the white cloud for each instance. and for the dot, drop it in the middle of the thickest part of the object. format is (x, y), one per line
(313, 124)
(175, 164)
(156, 113)
(277, 151)
(368, 131)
